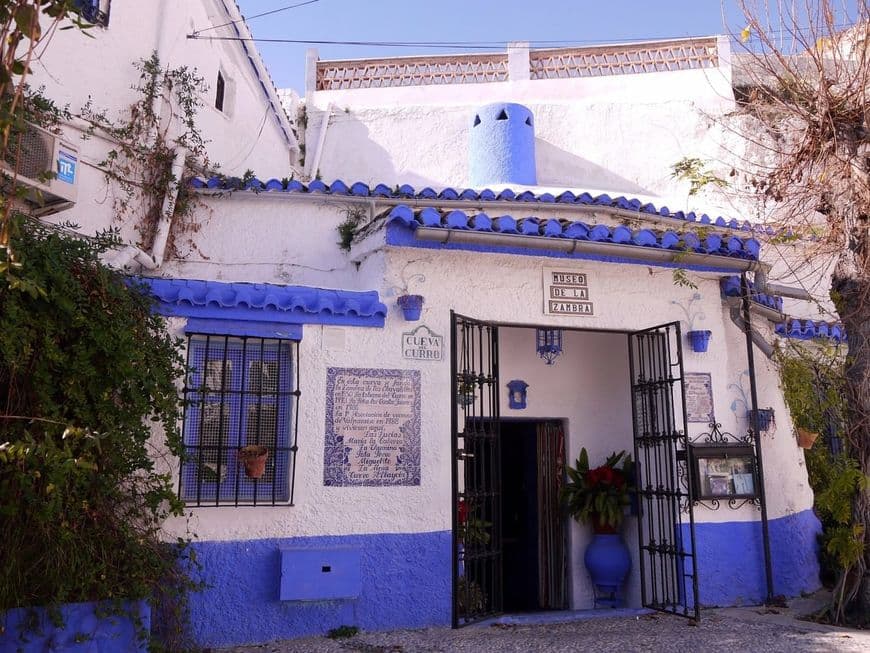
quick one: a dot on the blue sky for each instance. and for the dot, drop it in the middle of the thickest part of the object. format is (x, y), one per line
(566, 21)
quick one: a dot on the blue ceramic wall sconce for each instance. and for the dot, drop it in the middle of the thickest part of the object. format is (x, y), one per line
(517, 394)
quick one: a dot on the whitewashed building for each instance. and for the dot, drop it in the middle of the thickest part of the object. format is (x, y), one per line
(518, 196)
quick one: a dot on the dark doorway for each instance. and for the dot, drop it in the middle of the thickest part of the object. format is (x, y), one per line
(533, 540)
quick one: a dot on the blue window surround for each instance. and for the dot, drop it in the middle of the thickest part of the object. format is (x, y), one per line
(233, 400)
(227, 315)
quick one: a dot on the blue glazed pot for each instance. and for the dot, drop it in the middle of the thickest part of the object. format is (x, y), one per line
(608, 562)
(700, 340)
(411, 306)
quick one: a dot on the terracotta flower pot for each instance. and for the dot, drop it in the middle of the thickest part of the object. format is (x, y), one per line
(253, 457)
(806, 438)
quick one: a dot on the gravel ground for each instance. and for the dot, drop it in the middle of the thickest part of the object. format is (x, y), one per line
(744, 629)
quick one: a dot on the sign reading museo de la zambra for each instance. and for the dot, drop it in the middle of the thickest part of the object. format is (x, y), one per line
(566, 292)
(422, 344)
(372, 427)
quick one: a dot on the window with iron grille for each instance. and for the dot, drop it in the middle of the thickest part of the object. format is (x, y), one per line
(93, 11)
(239, 392)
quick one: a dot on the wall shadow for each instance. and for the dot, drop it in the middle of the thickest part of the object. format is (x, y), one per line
(558, 167)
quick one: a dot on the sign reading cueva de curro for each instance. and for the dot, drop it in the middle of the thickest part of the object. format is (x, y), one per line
(566, 292)
(422, 344)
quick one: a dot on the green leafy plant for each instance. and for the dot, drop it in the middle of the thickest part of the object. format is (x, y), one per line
(342, 632)
(694, 171)
(599, 495)
(86, 370)
(349, 227)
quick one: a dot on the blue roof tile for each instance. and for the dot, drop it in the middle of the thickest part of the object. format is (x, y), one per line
(338, 187)
(808, 330)
(264, 301)
(427, 193)
(487, 194)
(730, 286)
(713, 244)
(361, 189)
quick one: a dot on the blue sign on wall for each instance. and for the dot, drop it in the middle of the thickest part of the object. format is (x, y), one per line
(66, 167)
(372, 427)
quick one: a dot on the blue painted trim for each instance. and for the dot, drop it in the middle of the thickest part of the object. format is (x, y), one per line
(252, 329)
(406, 583)
(731, 559)
(263, 302)
(32, 630)
(400, 236)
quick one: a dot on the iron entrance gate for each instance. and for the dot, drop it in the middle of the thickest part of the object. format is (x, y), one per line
(477, 552)
(668, 566)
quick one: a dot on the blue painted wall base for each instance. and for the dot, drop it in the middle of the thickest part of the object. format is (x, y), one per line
(405, 584)
(731, 559)
(87, 628)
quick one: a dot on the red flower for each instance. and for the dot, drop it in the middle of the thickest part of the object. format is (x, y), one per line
(618, 479)
(462, 512)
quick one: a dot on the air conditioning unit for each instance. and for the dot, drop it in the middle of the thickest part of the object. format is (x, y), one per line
(40, 152)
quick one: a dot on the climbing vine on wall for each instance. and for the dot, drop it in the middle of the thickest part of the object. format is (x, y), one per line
(157, 132)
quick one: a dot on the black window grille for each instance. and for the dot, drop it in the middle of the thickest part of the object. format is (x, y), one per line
(92, 11)
(239, 391)
(220, 89)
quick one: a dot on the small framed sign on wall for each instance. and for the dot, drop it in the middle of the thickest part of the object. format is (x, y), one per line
(723, 472)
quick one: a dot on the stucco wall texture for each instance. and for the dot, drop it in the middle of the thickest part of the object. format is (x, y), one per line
(619, 135)
(406, 583)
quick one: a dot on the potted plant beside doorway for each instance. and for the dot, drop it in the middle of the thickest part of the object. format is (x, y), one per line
(599, 497)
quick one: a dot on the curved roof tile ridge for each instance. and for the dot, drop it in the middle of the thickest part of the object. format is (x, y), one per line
(183, 294)
(809, 330)
(449, 193)
(456, 219)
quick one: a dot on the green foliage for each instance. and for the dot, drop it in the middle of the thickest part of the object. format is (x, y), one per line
(814, 389)
(695, 172)
(353, 217)
(342, 632)
(86, 371)
(599, 495)
(681, 278)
